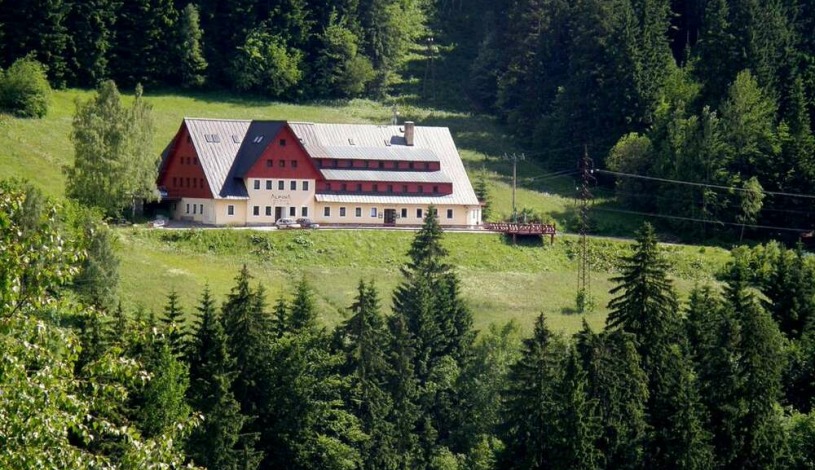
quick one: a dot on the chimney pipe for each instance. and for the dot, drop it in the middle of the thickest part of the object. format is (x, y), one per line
(409, 131)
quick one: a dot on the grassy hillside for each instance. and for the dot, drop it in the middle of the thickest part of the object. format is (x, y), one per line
(500, 281)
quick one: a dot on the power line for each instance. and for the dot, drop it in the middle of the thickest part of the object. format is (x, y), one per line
(704, 185)
(514, 157)
(692, 219)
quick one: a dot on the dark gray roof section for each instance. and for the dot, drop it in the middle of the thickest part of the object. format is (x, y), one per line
(386, 176)
(394, 153)
(258, 137)
(218, 154)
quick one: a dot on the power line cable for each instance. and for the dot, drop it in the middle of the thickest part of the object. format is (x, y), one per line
(692, 219)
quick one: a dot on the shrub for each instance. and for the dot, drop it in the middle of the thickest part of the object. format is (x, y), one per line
(24, 89)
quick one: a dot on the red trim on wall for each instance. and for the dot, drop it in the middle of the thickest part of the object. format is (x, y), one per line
(182, 174)
(296, 162)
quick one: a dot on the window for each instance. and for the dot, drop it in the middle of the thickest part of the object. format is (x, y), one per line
(358, 212)
(293, 185)
(268, 184)
(194, 209)
(376, 187)
(292, 211)
(200, 182)
(281, 163)
(188, 209)
(256, 210)
(421, 189)
(282, 142)
(404, 188)
(411, 165)
(342, 212)
(373, 211)
(195, 161)
(344, 187)
(236, 139)
(269, 163)
(359, 187)
(449, 213)
(268, 211)
(305, 185)
(435, 190)
(380, 164)
(404, 213)
(281, 185)
(426, 165)
(334, 163)
(327, 211)
(189, 139)
(367, 164)
(257, 184)
(230, 210)
(304, 212)
(201, 209)
(418, 213)
(188, 183)
(294, 163)
(390, 188)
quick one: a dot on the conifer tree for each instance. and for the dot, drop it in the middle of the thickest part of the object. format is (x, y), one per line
(218, 442)
(619, 386)
(403, 388)
(645, 303)
(164, 396)
(363, 341)
(172, 321)
(280, 318)
(193, 65)
(529, 415)
(302, 310)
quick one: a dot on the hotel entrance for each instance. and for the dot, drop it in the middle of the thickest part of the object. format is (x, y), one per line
(390, 217)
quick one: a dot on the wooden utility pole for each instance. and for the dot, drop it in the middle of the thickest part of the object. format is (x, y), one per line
(514, 158)
(584, 196)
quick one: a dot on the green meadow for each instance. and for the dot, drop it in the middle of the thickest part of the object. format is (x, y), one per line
(501, 281)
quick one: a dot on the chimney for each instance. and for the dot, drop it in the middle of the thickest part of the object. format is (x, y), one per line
(409, 130)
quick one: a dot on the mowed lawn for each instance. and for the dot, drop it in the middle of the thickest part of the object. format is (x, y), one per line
(499, 281)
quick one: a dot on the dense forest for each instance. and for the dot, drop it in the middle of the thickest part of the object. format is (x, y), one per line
(724, 380)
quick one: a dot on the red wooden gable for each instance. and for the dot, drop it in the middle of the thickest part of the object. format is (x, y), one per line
(182, 174)
(284, 158)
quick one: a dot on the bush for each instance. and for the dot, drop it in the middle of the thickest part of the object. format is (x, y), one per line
(24, 89)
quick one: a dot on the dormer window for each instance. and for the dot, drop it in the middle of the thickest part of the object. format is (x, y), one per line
(351, 141)
(282, 142)
(212, 138)
(236, 139)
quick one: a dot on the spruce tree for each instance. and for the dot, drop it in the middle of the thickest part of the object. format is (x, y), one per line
(363, 342)
(529, 403)
(302, 310)
(619, 386)
(645, 303)
(193, 65)
(172, 321)
(218, 442)
(403, 386)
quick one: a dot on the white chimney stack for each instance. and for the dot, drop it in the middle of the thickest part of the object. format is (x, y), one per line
(409, 131)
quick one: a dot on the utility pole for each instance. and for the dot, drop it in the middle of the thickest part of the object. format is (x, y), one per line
(429, 70)
(514, 157)
(584, 196)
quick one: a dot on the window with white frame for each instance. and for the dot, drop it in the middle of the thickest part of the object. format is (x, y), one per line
(304, 212)
(327, 211)
(373, 211)
(268, 185)
(188, 209)
(449, 213)
(404, 213)
(293, 185)
(419, 213)
(358, 212)
(201, 209)
(281, 185)
(292, 211)
(257, 184)
(230, 210)
(305, 185)
(256, 210)
(342, 212)
(268, 211)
